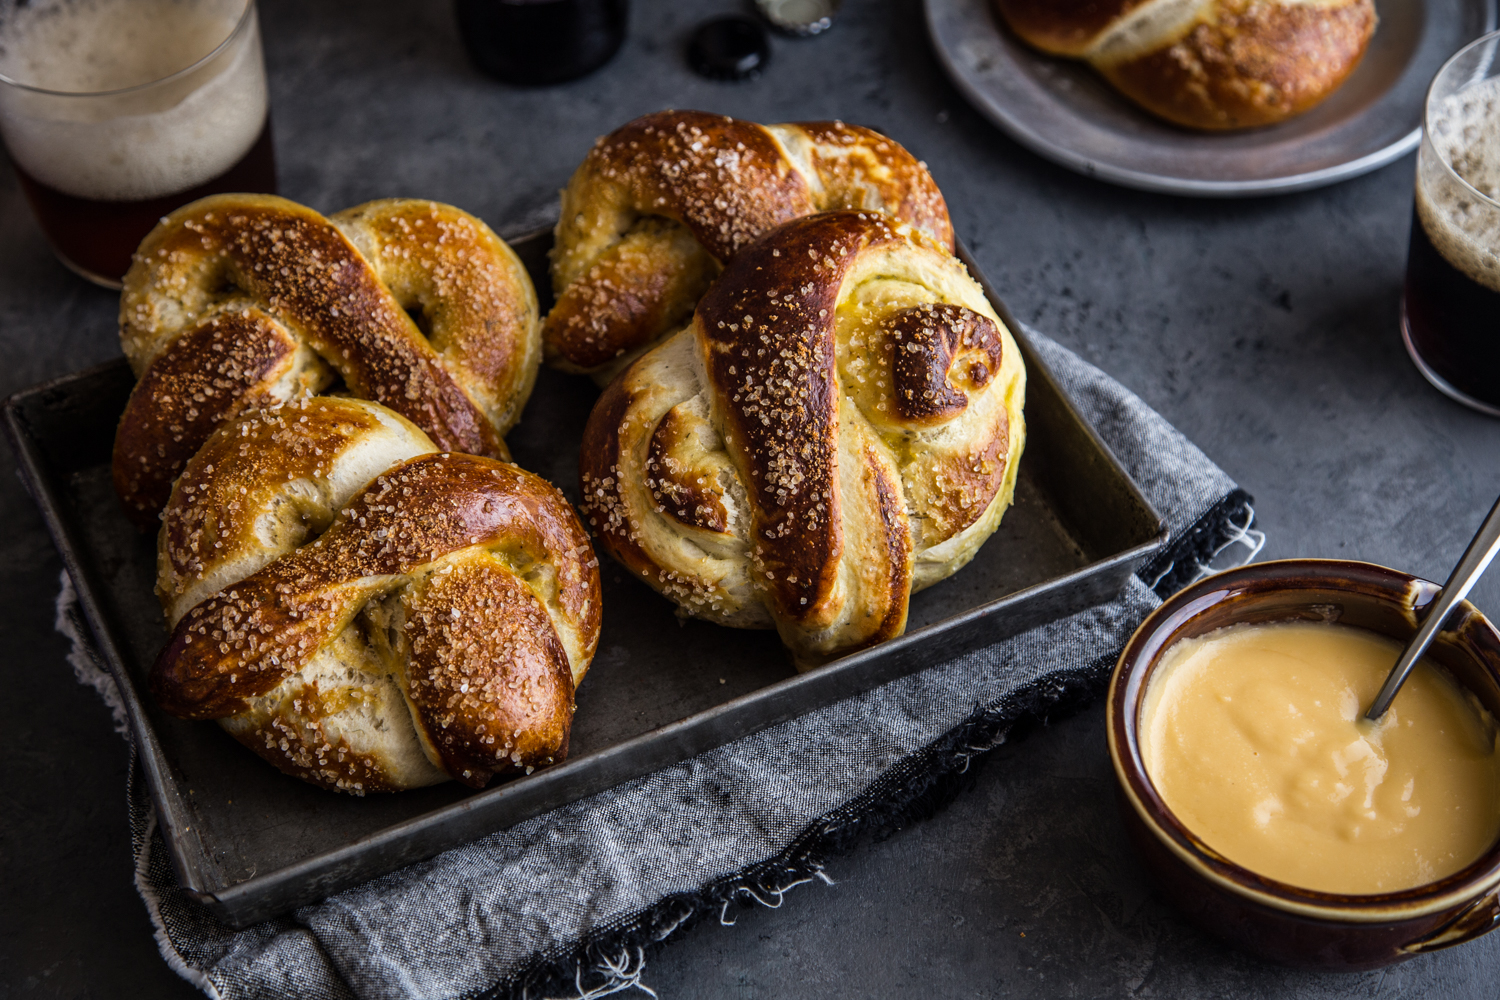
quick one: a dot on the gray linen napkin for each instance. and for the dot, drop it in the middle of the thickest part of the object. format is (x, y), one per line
(568, 903)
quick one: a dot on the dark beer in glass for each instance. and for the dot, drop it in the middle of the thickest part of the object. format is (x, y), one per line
(1450, 307)
(116, 112)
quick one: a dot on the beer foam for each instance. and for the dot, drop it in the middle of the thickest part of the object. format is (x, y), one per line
(88, 46)
(145, 143)
(1464, 135)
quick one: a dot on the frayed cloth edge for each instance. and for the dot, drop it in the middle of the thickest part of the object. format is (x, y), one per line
(612, 958)
(164, 944)
(1198, 552)
(914, 789)
(67, 621)
(924, 783)
(86, 668)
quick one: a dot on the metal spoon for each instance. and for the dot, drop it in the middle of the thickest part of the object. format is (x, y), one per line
(1468, 571)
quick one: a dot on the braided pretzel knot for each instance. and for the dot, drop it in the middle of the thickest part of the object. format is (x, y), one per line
(659, 205)
(838, 428)
(251, 300)
(435, 627)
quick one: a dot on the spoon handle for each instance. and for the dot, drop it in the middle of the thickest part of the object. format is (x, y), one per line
(1469, 569)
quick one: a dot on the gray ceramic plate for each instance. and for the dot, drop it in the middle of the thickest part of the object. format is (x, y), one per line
(1062, 110)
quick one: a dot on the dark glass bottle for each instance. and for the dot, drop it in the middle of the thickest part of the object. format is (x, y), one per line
(729, 48)
(541, 41)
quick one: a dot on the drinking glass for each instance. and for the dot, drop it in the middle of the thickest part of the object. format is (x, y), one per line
(116, 112)
(1450, 307)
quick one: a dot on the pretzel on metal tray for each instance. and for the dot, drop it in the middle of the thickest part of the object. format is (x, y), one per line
(837, 428)
(251, 300)
(367, 613)
(661, 204)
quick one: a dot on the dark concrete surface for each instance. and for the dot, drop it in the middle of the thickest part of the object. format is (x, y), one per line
(1265, 329)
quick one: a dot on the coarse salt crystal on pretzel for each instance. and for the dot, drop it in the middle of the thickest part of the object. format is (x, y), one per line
(367, 613)
(1206, 64)
(837, 428)
(251, 300)
(662, 203)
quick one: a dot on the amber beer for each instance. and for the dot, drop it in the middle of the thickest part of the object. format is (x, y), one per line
(1450, 307)
(116, 112)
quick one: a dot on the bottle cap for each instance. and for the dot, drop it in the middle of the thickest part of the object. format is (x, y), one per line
(729, 48)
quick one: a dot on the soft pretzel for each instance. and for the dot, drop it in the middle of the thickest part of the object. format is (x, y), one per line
(837, 428)
(369, 614)
(661, 204)
(1209, 64)
(239, 300)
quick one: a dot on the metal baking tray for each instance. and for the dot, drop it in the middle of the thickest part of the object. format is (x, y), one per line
(251, 843)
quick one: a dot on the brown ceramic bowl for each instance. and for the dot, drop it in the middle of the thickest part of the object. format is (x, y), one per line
(1280, 922)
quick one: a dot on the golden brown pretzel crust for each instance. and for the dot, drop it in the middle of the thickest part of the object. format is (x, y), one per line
(659, 205)
(1257, 64)
(1063, 27)
(925, 343)
(1223, 64)
(469, 579)
(264, 484)
(673, 163)
(838, 426)
(248, 300)
(860, 169)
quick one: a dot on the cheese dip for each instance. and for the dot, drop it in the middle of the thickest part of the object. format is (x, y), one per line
(1254, 737)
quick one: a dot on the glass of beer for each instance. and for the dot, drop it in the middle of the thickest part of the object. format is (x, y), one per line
(116, 112)
(1450, 308)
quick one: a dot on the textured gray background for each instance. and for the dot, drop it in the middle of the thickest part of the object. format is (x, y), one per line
(1266, 330)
